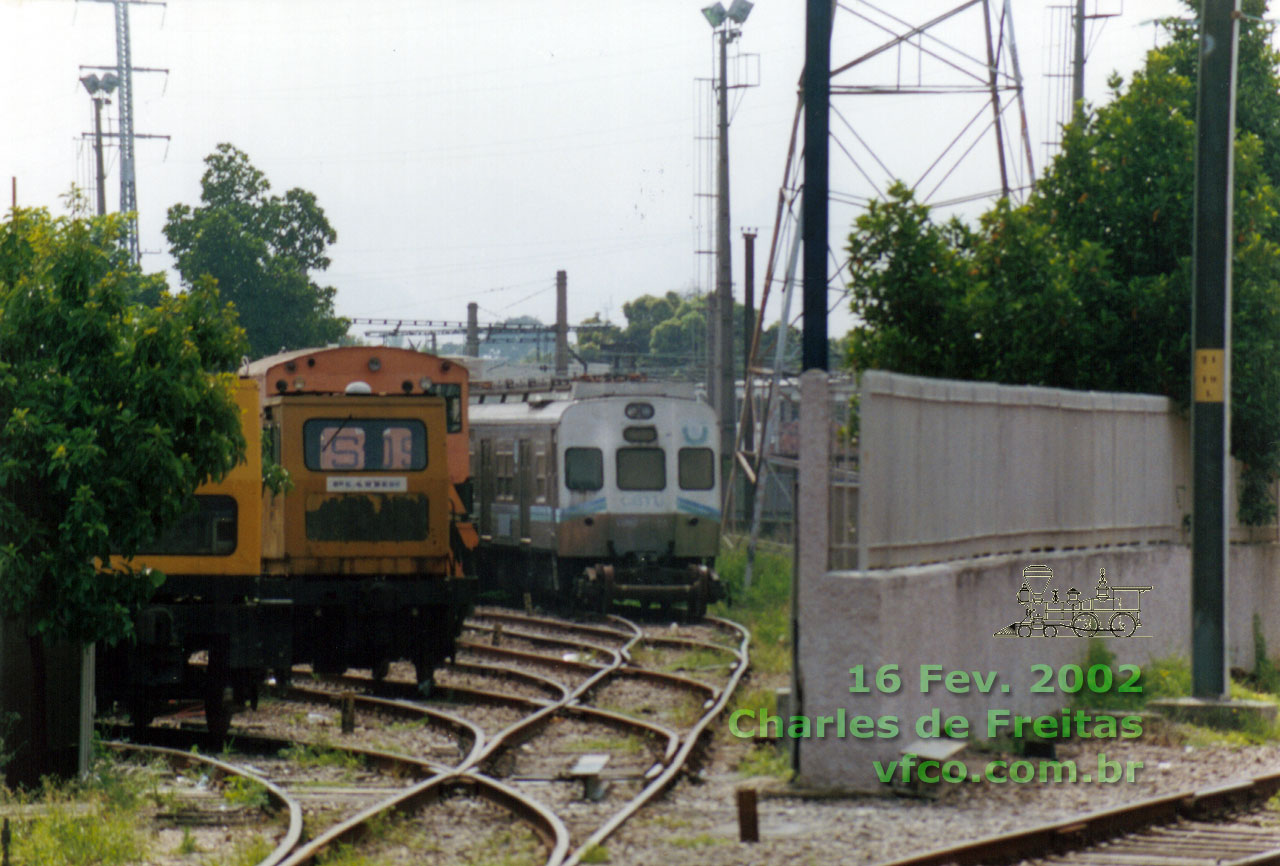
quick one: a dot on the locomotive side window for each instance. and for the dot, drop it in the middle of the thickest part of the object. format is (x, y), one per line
(210, 531)
(583, 468)
(642, 469)
(697, 469)
(364, 444)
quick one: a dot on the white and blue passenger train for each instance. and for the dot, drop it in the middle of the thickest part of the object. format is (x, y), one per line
(609, 492)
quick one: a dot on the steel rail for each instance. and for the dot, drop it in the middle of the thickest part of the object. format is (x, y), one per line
(277, 794)
(668, 775)
(585, 628)
(544, 822)
(458, 725)
(1085, 830)
(540, 638)
(536, 658)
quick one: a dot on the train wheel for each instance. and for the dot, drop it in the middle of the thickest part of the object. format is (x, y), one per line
(606, 588)
(699, 588)
(217, 712)
(1024, 631)
(1050, 630)
(1123, 625)
(141, 711)
(1085, 625)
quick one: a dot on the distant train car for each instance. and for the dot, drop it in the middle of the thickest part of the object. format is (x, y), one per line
(609, 492)
(368, 558)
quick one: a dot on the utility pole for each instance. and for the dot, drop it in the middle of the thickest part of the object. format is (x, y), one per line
(720, 313)
(99, 89)
(124, 70)
(1077, 69)
(562, 323)
(1211, 345)
(748, 328)
(473, 330)
(724, 392)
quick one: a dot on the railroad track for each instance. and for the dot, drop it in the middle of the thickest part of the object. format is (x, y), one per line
(526, 698)
(1230, 825)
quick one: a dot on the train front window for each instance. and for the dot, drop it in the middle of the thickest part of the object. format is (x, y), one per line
(642, 469)
(364, 444)
(583, 468)
(697, 469)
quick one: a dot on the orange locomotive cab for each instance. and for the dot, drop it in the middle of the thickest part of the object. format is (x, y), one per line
(369, 544)
(385, 371)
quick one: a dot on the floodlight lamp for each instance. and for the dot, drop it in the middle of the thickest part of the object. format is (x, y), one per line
(110, 82)
(715, 15)
(739, 10)
(91, 83)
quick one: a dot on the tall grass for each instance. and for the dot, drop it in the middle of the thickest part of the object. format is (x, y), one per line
(765, 608)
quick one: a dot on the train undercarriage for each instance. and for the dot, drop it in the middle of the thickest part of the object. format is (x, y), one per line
(219, 649)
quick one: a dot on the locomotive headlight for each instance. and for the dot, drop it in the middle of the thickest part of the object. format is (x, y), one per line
(639, 411)
(640, 434)
(425, 382)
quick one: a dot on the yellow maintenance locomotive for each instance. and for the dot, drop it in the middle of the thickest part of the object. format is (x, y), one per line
(365, 560)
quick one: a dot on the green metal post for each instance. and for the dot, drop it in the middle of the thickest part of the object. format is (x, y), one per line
(1211, 342)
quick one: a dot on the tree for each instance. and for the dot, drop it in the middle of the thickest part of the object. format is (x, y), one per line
(110, 418)
(261, 249)
(1088, 284)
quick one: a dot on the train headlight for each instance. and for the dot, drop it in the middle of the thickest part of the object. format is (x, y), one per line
(639, 411)
(640, 434)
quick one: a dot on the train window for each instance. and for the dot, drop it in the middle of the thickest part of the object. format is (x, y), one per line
(697, 467)
(364, 444)
(583, 468)
(504, 471)
(540, 476)
(642, 469)
(210, 531)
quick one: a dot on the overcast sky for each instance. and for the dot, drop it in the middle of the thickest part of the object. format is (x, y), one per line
(469, 150)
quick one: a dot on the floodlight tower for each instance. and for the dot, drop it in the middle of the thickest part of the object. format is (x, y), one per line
(720, 313)
(100, 89)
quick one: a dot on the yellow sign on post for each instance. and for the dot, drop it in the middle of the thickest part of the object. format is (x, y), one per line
(1210, 376)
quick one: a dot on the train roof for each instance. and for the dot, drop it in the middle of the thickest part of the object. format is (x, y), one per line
(329, 370)
(549, 407)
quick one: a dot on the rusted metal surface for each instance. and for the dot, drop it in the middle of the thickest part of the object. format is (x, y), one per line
(1153, 831)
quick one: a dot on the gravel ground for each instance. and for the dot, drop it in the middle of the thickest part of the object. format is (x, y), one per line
(696, 822)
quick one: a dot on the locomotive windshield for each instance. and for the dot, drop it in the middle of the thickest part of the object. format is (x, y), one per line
(209, 531)
(583, 468)
(642, 469)
(364, 444)
(697, 469)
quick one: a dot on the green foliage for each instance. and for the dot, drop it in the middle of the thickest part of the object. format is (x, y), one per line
(243, 791)
(261, 249)
(1088, 284)
(766, 760)
(249, 851)
(322, 755)
(109, 419)
(187, 845)
(765, 609)
(1266, 676)
(595, 854)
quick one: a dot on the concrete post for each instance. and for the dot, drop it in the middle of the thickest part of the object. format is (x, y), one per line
(473, 330)
(562, 324)
(812, 509)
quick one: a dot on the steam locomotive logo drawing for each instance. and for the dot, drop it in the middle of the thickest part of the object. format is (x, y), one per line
(1112, 611)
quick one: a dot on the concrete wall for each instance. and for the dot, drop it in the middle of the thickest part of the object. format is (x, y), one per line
(952, 469)
(947, 614)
